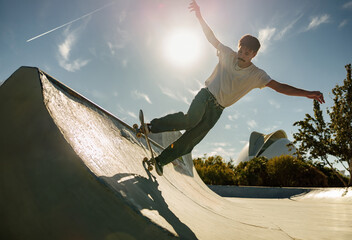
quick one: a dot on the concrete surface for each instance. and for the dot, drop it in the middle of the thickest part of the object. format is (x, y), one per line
(71, 170)
(313, 219)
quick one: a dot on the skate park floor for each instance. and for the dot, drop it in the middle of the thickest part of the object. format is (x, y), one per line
(316, 213)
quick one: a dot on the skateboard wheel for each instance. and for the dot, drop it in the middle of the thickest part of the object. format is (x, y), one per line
(145, 159)
(150, 168)
(139, 135)
(135, 126)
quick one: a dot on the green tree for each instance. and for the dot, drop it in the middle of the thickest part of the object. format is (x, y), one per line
(317, 139)
(341, 123)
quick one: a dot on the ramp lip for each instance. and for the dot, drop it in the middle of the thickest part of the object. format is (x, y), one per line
(72, 92)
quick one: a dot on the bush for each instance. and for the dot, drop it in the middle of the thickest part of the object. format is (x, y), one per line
(287, 171)
(214, 170)
(283, 171)
(333, 180)
(252, 173)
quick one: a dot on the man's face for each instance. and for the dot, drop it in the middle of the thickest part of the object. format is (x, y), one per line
(245, 55)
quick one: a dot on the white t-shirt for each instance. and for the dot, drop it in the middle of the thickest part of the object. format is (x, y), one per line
(229, 83)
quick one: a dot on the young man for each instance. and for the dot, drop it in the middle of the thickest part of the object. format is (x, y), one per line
(233, 77)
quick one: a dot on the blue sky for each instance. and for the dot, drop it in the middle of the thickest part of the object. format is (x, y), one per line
(115, 54)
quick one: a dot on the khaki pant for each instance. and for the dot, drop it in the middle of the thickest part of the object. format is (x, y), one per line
(202, 115)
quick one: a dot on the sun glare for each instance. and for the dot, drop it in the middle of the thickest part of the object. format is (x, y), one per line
(181, 48)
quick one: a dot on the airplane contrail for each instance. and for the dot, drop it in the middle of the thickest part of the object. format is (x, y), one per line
(86, 15)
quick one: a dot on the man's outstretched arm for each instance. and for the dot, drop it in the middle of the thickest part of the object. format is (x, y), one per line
(209, 34)
(292, 91)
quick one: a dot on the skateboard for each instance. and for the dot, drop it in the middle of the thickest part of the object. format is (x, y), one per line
(139, 131)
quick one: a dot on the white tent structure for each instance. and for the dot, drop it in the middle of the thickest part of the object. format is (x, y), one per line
(262, 145)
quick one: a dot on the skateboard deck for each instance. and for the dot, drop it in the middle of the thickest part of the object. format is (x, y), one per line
(139, 131)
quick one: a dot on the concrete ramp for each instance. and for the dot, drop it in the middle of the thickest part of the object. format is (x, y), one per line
(71, 170)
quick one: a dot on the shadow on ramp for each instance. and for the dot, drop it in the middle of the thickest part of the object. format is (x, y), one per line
(148, 200)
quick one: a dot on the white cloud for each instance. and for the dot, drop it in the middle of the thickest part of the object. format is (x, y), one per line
(168, 92)
(252, 123)
(271, 128)
(174, 95)
(348, 5)
(119, 41)
(132, 114)
(243, 143)
(275, 125)
(98, 94)
(286, 29)
(138, 95)
(234, 117)
(65, 49)
(122, 16)
(225, 153)
(113, 49)
(221, 144)
(227, 126)
(73, 65)
(282, 33)
(193, 92)
(124, 63)
(122, 38)
(119, 38)
(247, 98)
(125, 112)
(343, 23)
(265, 36)
(269, 34)
(317, 21)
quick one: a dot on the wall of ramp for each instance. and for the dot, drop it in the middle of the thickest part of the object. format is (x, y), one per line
(71, 170)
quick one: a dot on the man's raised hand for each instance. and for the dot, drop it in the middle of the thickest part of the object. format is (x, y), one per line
(193, 7)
